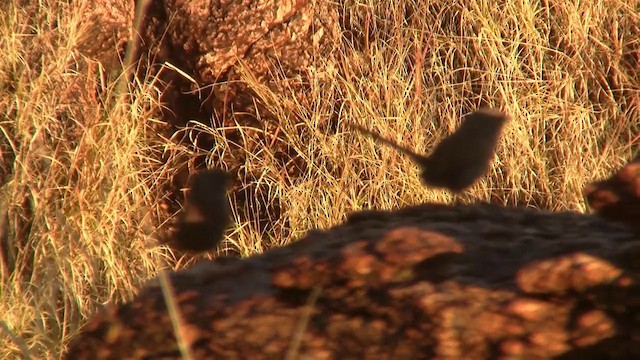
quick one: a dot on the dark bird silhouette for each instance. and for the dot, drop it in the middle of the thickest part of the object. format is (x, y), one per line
(462, 157)
(206, 214)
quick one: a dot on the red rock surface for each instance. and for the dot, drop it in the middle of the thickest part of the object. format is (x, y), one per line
(618, 197)
(432, 281)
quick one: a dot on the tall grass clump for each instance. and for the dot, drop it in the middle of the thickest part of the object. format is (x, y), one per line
(78, 172)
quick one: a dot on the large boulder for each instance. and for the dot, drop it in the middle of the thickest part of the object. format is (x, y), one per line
(207, 40)
(431, 281)
(618, 197)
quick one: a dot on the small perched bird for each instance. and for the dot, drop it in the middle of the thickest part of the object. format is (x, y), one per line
(206, 214)
(462, 157)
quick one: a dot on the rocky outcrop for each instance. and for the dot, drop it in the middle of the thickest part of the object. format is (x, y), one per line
(206, 40)
(430, 281)
(618, 197)
(106, 29)
(216, 35)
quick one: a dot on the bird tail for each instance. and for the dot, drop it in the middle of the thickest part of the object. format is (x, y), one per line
(413, 155)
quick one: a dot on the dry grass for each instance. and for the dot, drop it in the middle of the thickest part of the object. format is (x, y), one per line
(79, 174)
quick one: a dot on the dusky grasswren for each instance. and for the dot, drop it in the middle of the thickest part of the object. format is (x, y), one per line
(460, 158)
(206, 214)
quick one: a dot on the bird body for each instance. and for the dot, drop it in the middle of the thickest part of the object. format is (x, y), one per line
(460, 158)
(206, 214)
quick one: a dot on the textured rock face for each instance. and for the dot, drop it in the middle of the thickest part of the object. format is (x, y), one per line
(432, 281)
(216, 35)
(618, 197)
(109, 30)
(206, 39)
(268, 39)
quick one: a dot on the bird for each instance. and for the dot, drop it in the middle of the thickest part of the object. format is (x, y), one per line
(461, 158)
(206, 215)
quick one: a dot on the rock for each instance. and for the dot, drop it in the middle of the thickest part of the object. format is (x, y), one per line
(206, 39)
(216, 35)
(618, 197)
(430, 281)
(108, 31)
